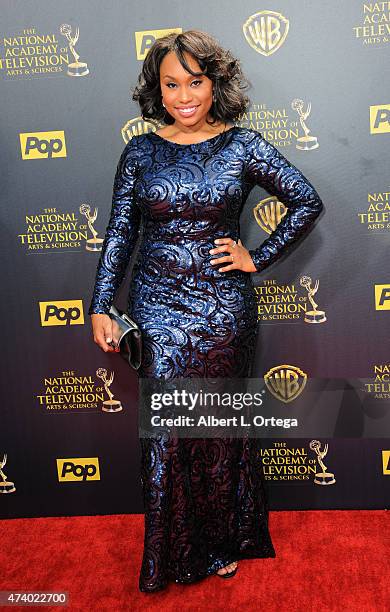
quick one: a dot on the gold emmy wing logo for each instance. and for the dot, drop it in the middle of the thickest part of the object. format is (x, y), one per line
(306, 142)
(380, 119)
(78, 469)
(268, 213)
(266, 31)
(42, 145)
(145, 39)
(385, 462)
(382, 297)
(76, 68)
(65, 312)
(285, 382)
(324, 477)
(6, 486)
(110, 405)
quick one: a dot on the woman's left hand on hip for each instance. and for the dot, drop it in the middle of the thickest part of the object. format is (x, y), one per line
(237, 258)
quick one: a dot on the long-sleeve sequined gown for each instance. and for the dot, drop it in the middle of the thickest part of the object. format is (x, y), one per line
(204, 500)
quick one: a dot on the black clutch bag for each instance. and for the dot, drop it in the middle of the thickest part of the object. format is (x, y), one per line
(126, 335)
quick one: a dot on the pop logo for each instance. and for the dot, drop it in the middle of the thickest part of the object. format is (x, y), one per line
(67, 312)
(386, 462)
(380, 119)
(43, 145)
(78, 469)
(382, 297)
(145, 39)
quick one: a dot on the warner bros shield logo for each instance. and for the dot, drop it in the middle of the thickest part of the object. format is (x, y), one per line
(266, 31)
(268, 213)
(285, 382)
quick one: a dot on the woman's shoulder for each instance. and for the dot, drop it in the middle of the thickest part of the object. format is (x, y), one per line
(133, 152)
(248, 139)
(135, 144)
(249, 133)
(136, 140)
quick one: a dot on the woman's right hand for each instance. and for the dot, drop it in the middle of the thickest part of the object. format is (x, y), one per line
(102, 332)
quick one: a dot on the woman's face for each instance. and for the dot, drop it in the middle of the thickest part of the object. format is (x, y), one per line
(187, 98)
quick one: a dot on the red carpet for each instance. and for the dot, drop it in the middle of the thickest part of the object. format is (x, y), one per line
(325, 560)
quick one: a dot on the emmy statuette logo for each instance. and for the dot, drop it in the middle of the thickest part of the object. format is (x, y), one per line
(324, 477)
(306, 142)
(110, 405)
(312, 316)
(285, 382)
(76, 68)
(266, 31)
(92, 244)
(6, 486)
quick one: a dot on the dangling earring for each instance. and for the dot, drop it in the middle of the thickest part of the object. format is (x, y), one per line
(214, 97)
(163, 104)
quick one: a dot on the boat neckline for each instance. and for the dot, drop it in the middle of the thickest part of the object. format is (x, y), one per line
(194, 144)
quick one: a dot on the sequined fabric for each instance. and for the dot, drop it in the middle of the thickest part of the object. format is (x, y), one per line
(205, 503)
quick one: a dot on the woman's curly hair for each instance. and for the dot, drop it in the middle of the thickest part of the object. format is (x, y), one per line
(216, 63)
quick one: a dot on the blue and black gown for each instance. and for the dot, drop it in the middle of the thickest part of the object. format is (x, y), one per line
(204, 499)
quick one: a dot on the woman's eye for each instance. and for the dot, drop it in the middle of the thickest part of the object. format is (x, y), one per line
(174, 84)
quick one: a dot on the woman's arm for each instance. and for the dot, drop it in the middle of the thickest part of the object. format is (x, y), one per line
(266, 167)
(121, 235)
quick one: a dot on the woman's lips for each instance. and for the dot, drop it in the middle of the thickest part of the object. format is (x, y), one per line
(187, 112)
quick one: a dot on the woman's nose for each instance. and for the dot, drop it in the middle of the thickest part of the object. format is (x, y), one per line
(185, 96)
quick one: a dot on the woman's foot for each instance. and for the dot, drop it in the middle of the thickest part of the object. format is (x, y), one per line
(228, 569)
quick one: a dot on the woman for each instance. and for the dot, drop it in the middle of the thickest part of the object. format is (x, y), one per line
(192, 295)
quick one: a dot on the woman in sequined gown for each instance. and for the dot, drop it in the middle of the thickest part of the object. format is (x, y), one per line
(205, 503)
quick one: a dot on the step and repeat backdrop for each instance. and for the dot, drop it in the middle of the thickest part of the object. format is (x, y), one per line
(69, 432)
